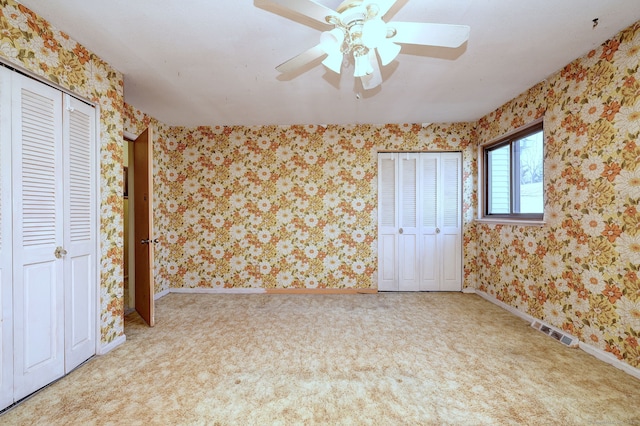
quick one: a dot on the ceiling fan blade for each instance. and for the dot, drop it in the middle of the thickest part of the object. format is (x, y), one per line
(444, 35)
(374, 79)
(307, 8)
(302, 59)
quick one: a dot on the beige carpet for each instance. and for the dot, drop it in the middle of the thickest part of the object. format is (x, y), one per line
(364, 359)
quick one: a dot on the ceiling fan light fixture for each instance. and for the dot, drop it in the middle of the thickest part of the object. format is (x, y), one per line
(388, 51)
(331, 41)
(374, 33)
(362, 65)
(373, 10)
(361, 36)
(373, 80)
(334, 62)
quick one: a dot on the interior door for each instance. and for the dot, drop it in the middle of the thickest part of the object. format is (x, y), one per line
(387, 222)
(450, 223)
(408, 243)
(143, 226)
(80, 232)
(6, 284)
(430, 204)
(38, 235)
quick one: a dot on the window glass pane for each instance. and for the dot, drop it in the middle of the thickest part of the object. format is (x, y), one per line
(499, 187)
(528, 182)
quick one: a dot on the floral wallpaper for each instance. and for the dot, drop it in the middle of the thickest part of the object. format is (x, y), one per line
(279, 206)
(295, 206)
(32, 43)
(579, 272)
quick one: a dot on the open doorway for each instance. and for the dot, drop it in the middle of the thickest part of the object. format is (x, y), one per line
(129, 223)
(138, 226)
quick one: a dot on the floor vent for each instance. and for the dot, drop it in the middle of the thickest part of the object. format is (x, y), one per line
(555, 333)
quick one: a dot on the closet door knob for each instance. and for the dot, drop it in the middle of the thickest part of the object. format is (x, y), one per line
(401, 231)
(59, 252)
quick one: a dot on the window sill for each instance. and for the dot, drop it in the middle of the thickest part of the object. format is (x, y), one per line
(514, 222)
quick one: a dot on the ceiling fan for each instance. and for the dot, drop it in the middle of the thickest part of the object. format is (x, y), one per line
(356, 30)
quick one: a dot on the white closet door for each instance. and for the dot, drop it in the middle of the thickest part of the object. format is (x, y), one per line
(451, 222)
(408, 243)
(37, 222)
(387, 222)
(6, 299)
(79, 232)
(420, 222)
(430, 204)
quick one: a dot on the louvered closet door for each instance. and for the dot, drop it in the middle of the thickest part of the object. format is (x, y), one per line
(430, 204)
(420, 236)
(387, 222)
(451, 222)
(37, 223)
(408, 242)
(79, 232)
(6, 302)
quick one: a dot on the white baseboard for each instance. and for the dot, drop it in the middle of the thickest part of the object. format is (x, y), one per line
(161, 294)
(469, 290)
(609, 359)
(111, 345)
(525, 316)
(591, 350)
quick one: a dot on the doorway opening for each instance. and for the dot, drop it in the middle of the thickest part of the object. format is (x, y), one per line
(138, 233)
(129, 223)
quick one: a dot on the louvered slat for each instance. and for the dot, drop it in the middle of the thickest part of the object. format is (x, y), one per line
(409, 192)
(38, 160)
(429, 191)
(80, 176)
(450, 194)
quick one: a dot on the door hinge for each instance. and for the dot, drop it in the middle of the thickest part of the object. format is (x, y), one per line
(69, 107)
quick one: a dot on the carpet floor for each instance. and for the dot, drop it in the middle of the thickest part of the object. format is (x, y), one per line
(381, 359)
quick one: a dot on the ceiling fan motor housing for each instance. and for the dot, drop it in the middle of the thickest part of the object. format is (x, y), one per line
(362, 29)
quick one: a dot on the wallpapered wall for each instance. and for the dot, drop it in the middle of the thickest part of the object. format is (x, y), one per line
(280, 206)
(295, 206)
(580, 271)
(30, 42)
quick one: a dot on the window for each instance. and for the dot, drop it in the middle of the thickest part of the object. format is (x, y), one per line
(513, 180)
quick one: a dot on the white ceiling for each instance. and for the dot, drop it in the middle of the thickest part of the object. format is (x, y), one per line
(209, 62)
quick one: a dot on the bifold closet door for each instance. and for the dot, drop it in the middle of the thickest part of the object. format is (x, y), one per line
(387, 222)
(79, 232)
(398, 239)
(450, 222)
(48, 234)
(431, 203)
(38, 299)
(408, 238)
(398, 215)
(6, 298)
(441, 222)
(419, 222)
